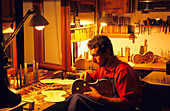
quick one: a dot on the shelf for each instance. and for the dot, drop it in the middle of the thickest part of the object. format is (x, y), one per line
(82, 33)
(130, 36)
(80, 28)
(152, 26)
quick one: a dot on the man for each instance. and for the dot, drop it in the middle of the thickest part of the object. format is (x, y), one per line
(126, 84)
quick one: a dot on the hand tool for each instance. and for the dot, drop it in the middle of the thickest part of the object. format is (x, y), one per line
(138, 26)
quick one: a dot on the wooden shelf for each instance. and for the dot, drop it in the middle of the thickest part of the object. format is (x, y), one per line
(80, 28)
(151, 26)
(130, 36)
(82, 33)
(151, 67)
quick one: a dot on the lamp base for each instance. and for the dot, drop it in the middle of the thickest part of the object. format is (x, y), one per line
(9, 97)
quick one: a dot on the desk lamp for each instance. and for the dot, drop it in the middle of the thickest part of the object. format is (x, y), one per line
(103, 21)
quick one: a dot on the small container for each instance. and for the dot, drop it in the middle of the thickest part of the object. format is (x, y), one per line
(30, 104)
(127, 53)
(168, 67)
(141, 50)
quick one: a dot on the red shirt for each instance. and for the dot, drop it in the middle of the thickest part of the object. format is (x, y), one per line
(126, 80)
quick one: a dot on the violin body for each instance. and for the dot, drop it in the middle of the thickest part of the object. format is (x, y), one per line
(148, 57)
(103, 86)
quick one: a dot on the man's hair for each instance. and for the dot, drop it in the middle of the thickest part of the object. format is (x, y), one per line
(102, 43)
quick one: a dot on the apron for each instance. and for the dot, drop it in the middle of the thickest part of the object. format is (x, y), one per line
(115, 93)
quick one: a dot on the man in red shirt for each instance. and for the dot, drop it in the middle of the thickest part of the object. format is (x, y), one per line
(126, 83)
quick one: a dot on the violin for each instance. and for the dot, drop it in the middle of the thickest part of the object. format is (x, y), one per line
(103, 86)
(148, 57)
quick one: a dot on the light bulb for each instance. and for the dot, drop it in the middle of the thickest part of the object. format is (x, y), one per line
(103, 24)
(39, 27)
(8, 30)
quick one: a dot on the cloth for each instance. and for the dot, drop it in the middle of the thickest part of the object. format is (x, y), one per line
(80, 102)
(126, 86)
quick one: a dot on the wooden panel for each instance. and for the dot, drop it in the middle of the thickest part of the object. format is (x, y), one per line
(114, 6)
(7, 9)
(153, 66)
(68, 37)
(37, 37)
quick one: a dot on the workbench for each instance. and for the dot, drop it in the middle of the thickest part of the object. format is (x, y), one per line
(156, 91)
(33, 98)
(151, 67)
(144, 69)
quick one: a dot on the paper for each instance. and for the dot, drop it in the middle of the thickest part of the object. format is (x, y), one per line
(54, 95)
(59, 81)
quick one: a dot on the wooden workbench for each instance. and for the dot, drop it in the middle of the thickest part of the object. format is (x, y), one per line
(152, 67)
(157, 78)
(145, 69)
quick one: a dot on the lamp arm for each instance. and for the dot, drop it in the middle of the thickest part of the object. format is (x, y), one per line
(6, 43)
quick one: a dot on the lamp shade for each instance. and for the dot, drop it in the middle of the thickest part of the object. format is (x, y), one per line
(104, 18)
(38, 20)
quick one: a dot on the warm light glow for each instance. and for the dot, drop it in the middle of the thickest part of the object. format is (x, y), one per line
(103, 24)
(39, 27)
(8, 30)
(104, 19)
(86, 22)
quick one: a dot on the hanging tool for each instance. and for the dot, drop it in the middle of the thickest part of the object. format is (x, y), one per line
(166, 25)
(138, 24)
(144, 29)
(148, 23)
(148, 30)
(168, 22)
(163, 24)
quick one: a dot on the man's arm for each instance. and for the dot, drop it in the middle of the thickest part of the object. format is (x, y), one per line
(90, 77)
(115, 102)
(84, 75)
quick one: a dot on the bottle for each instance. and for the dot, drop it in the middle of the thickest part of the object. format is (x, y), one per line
(145, 46)
(168, 67)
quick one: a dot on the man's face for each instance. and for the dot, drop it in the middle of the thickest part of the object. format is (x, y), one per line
(98, 57)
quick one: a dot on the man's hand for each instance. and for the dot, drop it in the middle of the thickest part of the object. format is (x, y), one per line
(94, 93)
(84, 75)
